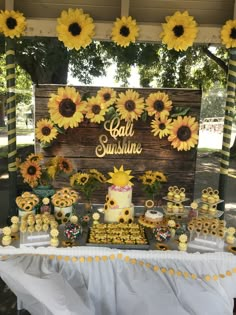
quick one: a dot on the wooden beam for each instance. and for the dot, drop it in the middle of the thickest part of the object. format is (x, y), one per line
(148, 32)
(9, 5)
(124, 8)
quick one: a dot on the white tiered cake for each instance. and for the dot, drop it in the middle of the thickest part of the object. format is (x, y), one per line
(118, 206)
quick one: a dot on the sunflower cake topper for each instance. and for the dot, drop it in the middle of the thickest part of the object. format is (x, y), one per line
(120, 177)
(75, 28)
(124, 31)
(179, 32)
(12, 23)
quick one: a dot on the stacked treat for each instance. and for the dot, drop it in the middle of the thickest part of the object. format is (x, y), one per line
(175, 198)
(209, 200)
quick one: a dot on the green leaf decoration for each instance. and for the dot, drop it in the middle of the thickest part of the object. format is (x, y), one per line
(144, 116)
(179, 111)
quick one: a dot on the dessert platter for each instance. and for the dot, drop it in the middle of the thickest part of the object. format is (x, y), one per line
(175, 198)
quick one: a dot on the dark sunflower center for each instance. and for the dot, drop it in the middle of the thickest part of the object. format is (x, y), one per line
(129, 105)
(178, 30)
(184, 133)
(124, 31)
(65, 165)
(148, 180)
(158, 177)
(96, 109)
(162, 126)
(112, 202)
(46, 131)
(83, 179)
(67, 107)
(126, 212)
(59, 214)
(31, 170)
(122, 220)
(158, 105)
(74, 29)
(11, 23)
(107, 96)
(233, 33)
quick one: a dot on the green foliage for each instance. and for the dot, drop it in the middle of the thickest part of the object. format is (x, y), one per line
(213, 102)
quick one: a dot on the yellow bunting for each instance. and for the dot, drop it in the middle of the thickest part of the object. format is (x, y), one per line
(51, 257)
(133, 261)
(215, 277)
(112, 257)
(141, 263)
(82, 259)
(104, 258)
(207, 278)
(228, 273)
(179, 273)
(171, 271)
(97, 258)
(148, 265)
(126, 258)
(234, 270)
(119, 256)
(66, 258)
(193, 276)
(156, 268)
(89, 259)
(59, 257)
(74, 259)
(186, 274)
(222, 276)
(163, 270)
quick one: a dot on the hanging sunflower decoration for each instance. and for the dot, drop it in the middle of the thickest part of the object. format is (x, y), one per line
(228, 34)
(161, 127)
(158, 104)
(124, 31)
(130, 105)
(31, 172)
(96, 110)
(45, 131)
(179, 32)
(107, 95)
(184, 133)
(75, 29)
(66, 108)
(12, 23)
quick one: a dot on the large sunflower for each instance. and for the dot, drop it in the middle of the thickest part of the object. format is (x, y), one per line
(45, 130)
(31, 172)
(158, 104)
(160, 176)
(107, 95)
(124, 31)
(228, 34)
(184, 133)
(66, 108)
(130, 105)
(12, 23)
(75, 29)
(180, 31)
(35, 157)
(161, 127)
(96, 110)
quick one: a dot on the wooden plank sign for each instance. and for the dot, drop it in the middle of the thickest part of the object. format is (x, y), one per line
(132, 145)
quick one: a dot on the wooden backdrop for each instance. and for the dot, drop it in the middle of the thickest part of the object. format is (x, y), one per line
(79, 144)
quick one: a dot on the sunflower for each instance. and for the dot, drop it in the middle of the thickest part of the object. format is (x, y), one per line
(184, 133)
(96, 110)
(161, 127)
(12, 23)
(107, 95)
(160, 176)
(130, 105)
(147, 179)
(120, 177)
(228, 34)
(66, 108)
(180, 31)
(31, 172)
(75, 29)
(124, 31)
(100, 177)
(83, 178)
(112, 203)
(35, 157)
(65, 165)
(45, 130)
(158, 104)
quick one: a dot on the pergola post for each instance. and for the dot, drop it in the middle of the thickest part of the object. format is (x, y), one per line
(11, 124)
(229, 115)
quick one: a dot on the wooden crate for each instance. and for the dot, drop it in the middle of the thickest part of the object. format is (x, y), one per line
(79, 144)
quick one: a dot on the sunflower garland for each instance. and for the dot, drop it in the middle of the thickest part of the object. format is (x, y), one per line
(228, 34)
(184, 133)
(45, 131)
(66, 107)
(75, 29)
(124, 31)
(107, 96)
(158, 104)
(13, 23)
(130, 105)
(161, 127)
(96, 110)
(179, 32)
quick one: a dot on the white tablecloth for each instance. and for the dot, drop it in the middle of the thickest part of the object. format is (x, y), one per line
(102, 281)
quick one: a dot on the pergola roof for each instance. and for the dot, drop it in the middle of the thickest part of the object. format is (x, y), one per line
(210, 15)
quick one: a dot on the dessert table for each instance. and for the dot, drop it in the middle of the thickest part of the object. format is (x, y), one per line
(104, 281)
